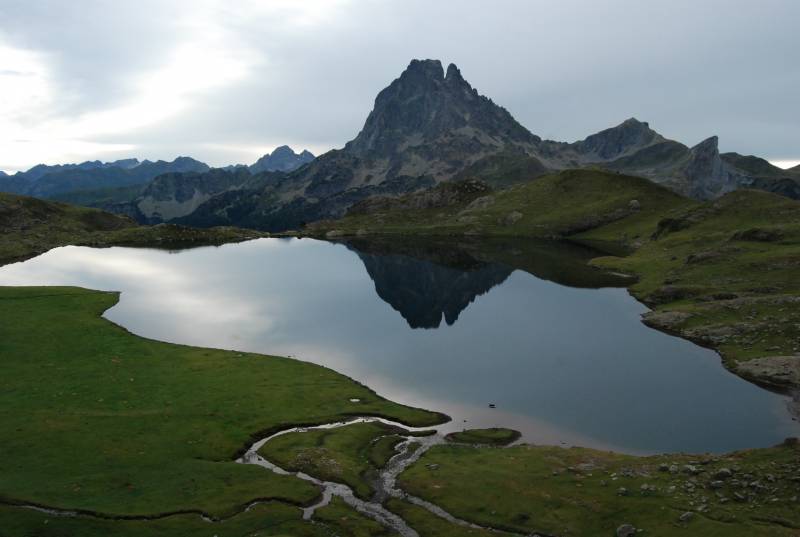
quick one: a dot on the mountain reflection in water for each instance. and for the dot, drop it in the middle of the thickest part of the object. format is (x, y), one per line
(427, 280)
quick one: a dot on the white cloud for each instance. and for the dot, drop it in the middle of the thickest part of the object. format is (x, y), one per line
(786, 164)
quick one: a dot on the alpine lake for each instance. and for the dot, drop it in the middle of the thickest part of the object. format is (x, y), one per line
(522, 335)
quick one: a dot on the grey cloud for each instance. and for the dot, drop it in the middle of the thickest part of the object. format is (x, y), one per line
(565, 70)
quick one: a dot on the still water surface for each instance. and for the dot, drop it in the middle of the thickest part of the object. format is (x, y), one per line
(448, 328)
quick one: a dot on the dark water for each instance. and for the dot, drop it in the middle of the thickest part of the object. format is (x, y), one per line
(446, 327)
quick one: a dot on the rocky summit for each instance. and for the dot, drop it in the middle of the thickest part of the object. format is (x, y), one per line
(283, 159)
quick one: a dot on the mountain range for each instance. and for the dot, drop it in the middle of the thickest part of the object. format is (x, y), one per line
(111, 184)
(426, 127)
(430, 126)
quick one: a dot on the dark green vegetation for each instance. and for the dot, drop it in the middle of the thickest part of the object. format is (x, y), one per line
(579, 491)
(722, 273)
(350, 455)
(30, 226)
(491, 437)
(96, 419)
(429, 525)
(100, 197)
(268, 519)
(597, 203)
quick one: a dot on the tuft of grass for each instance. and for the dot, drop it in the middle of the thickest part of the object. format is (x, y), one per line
(492, 437)
(347, 521)
(351, 454)
(429, 525)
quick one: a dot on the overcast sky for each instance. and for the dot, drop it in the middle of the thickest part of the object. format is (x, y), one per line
(227, 81)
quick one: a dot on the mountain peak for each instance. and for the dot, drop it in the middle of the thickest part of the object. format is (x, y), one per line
(633, 122)
(453, 73)
(431, 69)
(629, 136)
(709, 144)
(283, 150)
(423, 107)
(283, 159)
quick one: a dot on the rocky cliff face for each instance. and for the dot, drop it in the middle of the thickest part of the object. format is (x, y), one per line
(707, 176)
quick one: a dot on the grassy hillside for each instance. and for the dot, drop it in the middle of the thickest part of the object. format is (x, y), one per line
(30, 226)
(725, 274)
(612, 206)
(96, 419)
(585, 492)
(503, 169)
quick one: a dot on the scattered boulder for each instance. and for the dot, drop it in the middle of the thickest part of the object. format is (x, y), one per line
(671, 293)
(512, 218)
(334, 233)
(775, 370)
(626, 530)
(723, 473)
(479, 203)
(702, 257)
(634, 205)
(686, 517)
(692, 469)
(758, 235)
(665, 320)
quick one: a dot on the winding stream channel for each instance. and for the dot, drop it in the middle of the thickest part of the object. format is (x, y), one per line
(407, 452)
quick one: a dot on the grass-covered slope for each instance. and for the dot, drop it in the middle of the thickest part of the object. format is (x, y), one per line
(585, 492)
(94, 418)
(30, 226)
(726, 275)
(551, 206)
